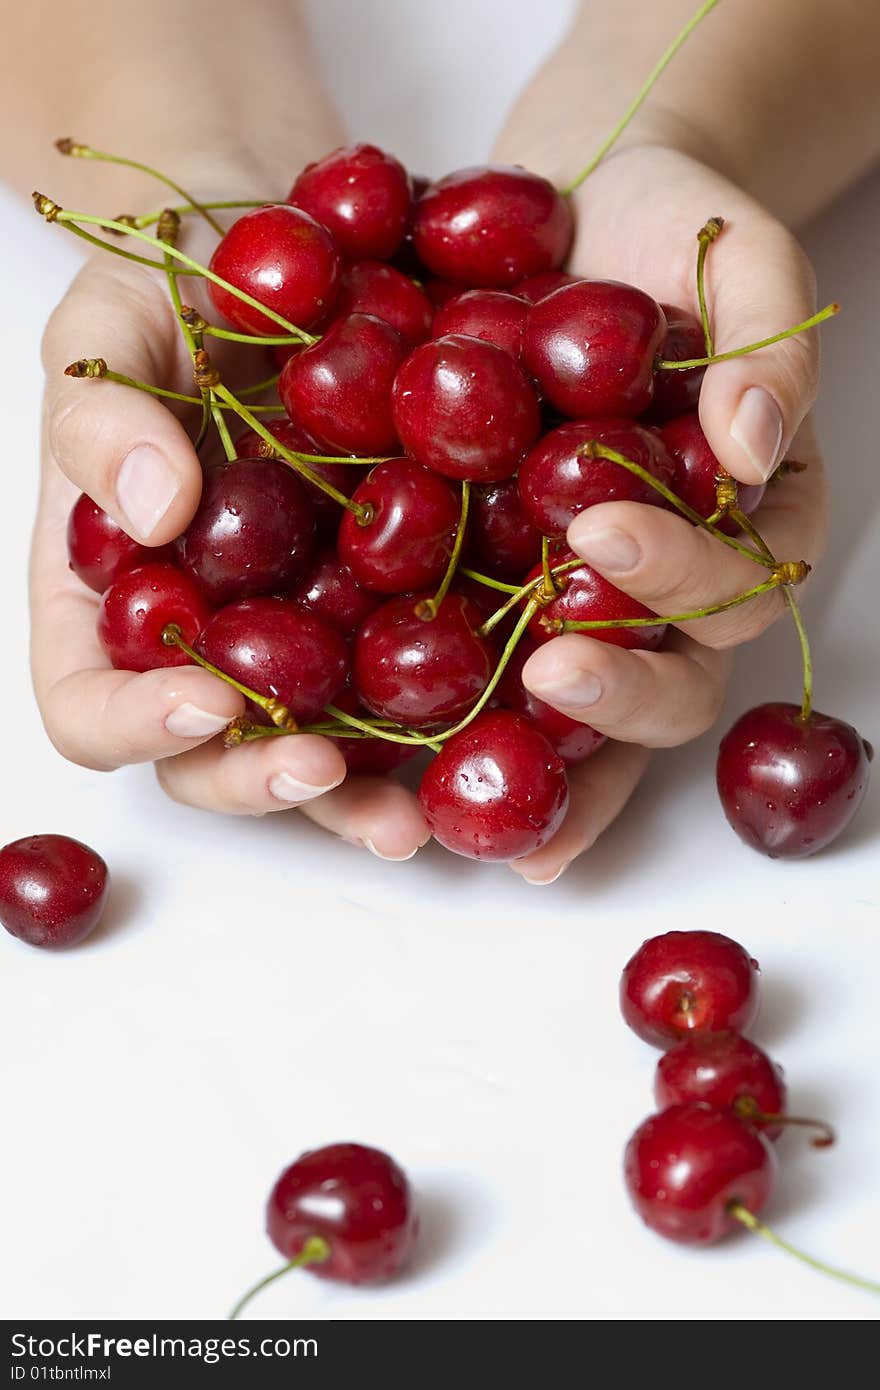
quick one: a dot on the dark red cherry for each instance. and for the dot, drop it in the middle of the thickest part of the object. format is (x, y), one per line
(340, 387)
(282, 257)
(572, 740)
(686, 1166)
(407, 542)
(539, 286)
(99, 551)
(585, 596)
(362, 195)
(675, 393)
(591, 347)
(357, 1200)
(52, 890)
(420, 672)
(279, 650)
(689, 982)
(495, 791)
(492, 315)
(697, 470)
(440, 292)
(343, 476)
(557, 481)
(788, 786)
(331, 592)
(726, 1071)
(491, 226)
(369, 757)
(253, 532)
(465, 409)
(501, 541)
(135, 611)
(370, 287)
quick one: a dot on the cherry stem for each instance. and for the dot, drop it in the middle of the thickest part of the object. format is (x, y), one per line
(663, 365)
(278, 713)
(488, 581)
(517, 596)
(593, 625)
(746, 1218)
(72, 147)
(705, 236)
(314, 1252)
(747, 1108)
(96, 368)
(147, 219)
(429, 607)
(260, 386)
(278, 340)
(104, 246)
(548, 588)
(640, 96)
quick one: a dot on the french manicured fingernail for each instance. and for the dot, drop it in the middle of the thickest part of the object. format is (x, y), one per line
(608, 549)
(145, 489)
(574, 689)
(188, 721)
(286, 788)
(546, 880)
(394, 858)
(757, 429)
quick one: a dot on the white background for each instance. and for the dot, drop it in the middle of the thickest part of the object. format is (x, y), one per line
(260, 987)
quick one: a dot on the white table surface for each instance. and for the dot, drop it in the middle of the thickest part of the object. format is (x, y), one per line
(261, 987)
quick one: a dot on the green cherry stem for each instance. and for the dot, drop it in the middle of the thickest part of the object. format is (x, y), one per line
(260, 386)
(548, 586)
(775, 581)
(709, 361)
(278, 713)
(44, 206)
(488, 581)
(78, 151)
(705, 236)
(806, 655)
(147, 219)
(228, 335)
(641, 95)
(167, 231)
(314, 1252)
(746, 1218)
(429, 607)
(518, 595)
(96, 368)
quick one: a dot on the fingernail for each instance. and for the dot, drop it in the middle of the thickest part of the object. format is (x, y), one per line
(286, 788)
(757, 429)
(393, 858)
(573, 689)
(608, 549)
(188, 721)
(145, 489)
(546, 881)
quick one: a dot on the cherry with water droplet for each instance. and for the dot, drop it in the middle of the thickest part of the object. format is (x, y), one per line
(282, 257)
(687, 982)
(52, 890)
(362, 196)
(137, 608)
(405, 543)
(100, 551)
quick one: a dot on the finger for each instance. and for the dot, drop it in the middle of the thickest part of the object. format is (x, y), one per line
(660, 699)
(273, 774)
(121, 446)
(758, 282)
(375, 812)
(599, 790)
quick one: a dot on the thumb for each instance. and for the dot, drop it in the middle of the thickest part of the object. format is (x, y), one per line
(759, 282)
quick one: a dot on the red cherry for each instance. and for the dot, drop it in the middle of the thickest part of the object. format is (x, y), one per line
(52, 890)
(343, 476)
(440, 292)
(539, 286)
(99, 551)
(788, 786)
(501, 541)
(678, 392)
(465, 409)
(362, 195)
(686, 1166)
(592, 345)
(495, 791)
(572, 740)
(697, 470)
(253, 532)
(491, 226)
(689, 981)
(135, 611)
(282, 257)
(369, 757)
(279, 650)
(557, 481)
(331, 592)
(586, 596)
(340, 387)
(357, 1200)
(407, 542)
(420, 672)
(492, 315)
(370, 287)
(721, 1069)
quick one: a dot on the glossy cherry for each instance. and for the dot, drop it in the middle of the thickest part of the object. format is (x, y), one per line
(440, 291)
(370, 287)
(675, 393)
(354, 1198)
(362, 195)
(369, 757)
(688, 982)
(697, 471)
(52, 890)
(501, 541)
(572, 740)
(464, 408)
(497, 790)
(686, 1166)
(539, 286)
(343, 476)
(406, 544)
(491, 226)
(724, 1070)
(492, 315)
(135, 611)
(278, 650)
(592, 345)
(253, 532)
(99, 550)
(331, 592)
(340, 387)
(557, 480)
(584, 596)
(282, 257)
(790, 786)
(420, 671)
